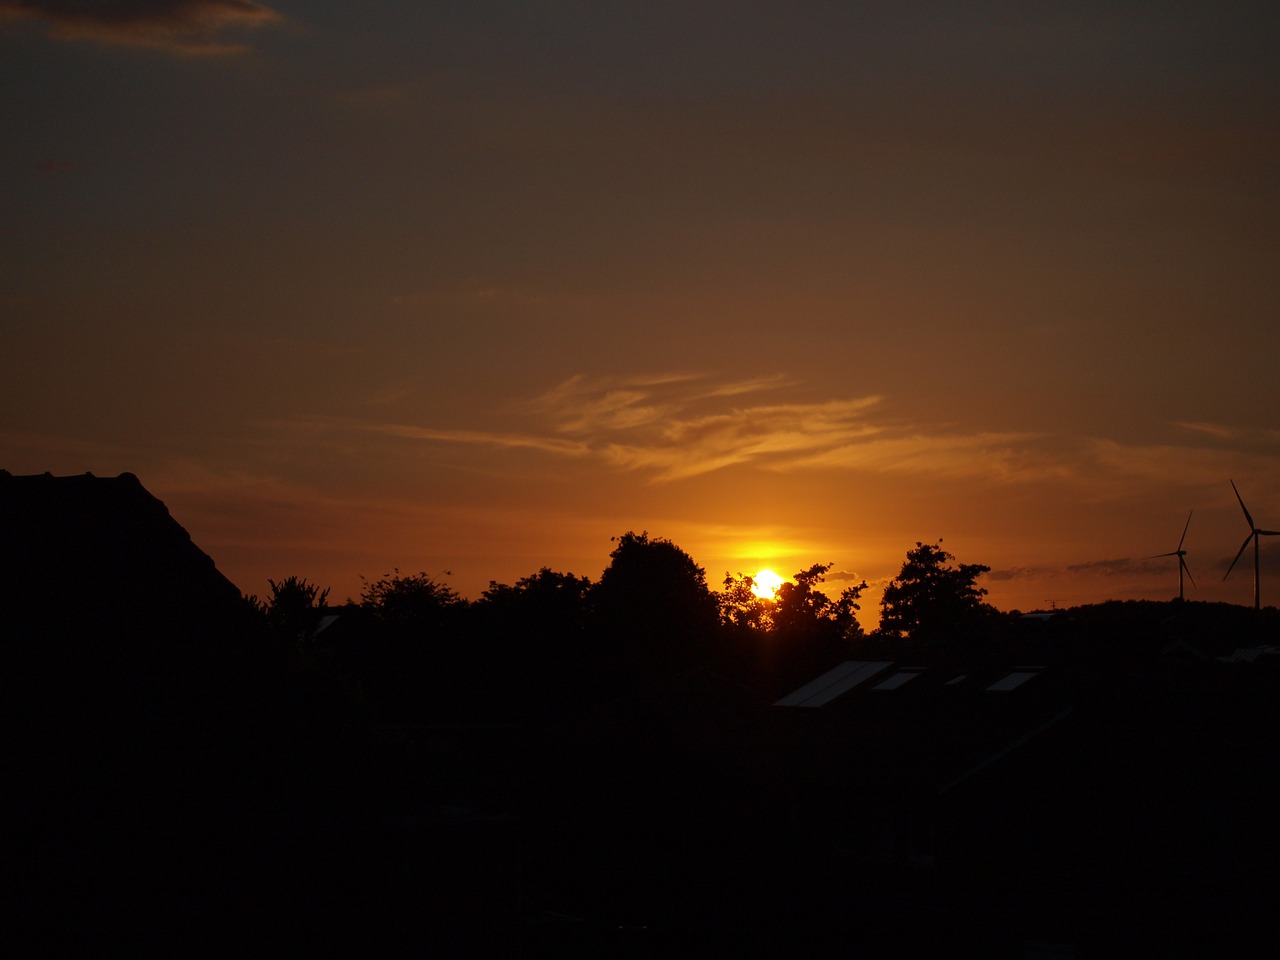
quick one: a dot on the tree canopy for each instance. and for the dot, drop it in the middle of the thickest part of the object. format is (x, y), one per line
(653, 596)
(546, 606)
(933, 599)
(295, 606)
(741, 611)
(651, 611)
(802, 610)
(410, 603)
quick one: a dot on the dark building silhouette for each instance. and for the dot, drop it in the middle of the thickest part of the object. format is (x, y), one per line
(84, 557)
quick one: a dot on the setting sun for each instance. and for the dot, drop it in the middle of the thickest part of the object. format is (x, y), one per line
(765, 584)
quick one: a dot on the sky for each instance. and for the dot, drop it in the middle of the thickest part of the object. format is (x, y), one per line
(473, 288)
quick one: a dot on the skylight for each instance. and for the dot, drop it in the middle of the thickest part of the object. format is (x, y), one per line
(1013, 679)
(897, 680)
(834, 682)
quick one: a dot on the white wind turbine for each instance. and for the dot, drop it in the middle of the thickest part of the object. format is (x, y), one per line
(1254, 533)
(1182, 557)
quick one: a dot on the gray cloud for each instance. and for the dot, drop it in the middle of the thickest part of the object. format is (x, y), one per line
(839, 576)
(1111, 566)
(187, 27)
(1007, 573)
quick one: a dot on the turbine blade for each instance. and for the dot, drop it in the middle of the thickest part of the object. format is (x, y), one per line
(1187, 571)
(1242, 506)
(1184, 530)
(1233, 562)
(1159, 555)
(1268, 533)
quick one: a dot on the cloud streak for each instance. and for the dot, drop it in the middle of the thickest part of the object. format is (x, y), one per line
(990, 455)
(676, 426)
(184, 27)
(477, 437)
(769, 436)
(680, 425)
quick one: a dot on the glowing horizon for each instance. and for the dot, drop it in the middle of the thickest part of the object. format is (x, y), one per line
(481, 291)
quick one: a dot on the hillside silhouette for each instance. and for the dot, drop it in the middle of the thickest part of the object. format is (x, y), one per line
(636, 766)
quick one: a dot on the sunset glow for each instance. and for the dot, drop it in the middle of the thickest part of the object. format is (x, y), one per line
(483, 290)
(765, 584)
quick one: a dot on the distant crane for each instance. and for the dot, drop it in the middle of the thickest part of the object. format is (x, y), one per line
(1254, 533)
(1182, 557)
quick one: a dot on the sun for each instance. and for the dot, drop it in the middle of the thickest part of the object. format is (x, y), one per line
(765, 584)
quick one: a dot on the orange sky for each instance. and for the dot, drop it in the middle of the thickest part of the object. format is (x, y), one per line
(477, 287)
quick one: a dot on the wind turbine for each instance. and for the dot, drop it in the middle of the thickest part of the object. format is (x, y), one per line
(1181, 555)
(1254, 534)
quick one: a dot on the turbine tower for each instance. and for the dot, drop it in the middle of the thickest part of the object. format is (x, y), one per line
(1182, 558)
(1254, 533)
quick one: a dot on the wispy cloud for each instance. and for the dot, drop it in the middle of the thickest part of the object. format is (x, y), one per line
(1233, 434)
(1189, 465)
(1112, 566)
(776, 436)
(995, 456)
(614, 410)
(186, 476)
(186, 27)
(755, 385)
(546, 444)
(670, 426)
(1215, 430)
(583, 405)
(677, 425)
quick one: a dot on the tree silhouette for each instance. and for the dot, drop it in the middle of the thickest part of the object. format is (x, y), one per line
(534, 648)
(295, 607)
(931, 599)
(414, 603)
(546, 607)
(845, 611)
(653, 600)
(803, 614)
(741, 611)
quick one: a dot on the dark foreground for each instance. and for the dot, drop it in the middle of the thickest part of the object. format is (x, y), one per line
(166, 795)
